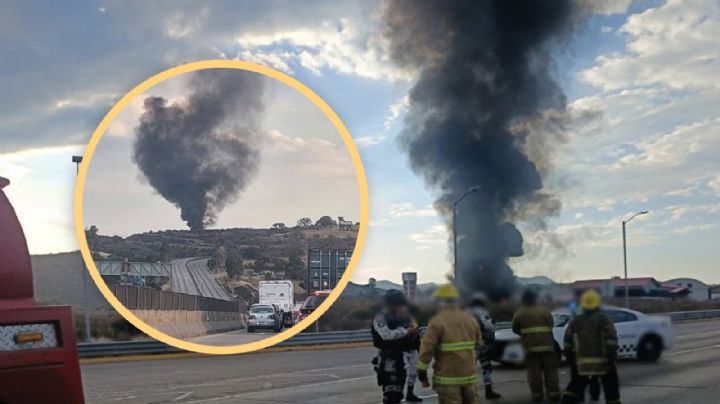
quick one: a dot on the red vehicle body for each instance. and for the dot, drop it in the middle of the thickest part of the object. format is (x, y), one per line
(38, 354)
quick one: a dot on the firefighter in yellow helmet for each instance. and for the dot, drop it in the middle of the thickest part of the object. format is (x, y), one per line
(534, 323)
(452, 338)
(591, 348)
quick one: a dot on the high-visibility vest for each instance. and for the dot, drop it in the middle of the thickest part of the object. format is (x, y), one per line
(534, 324)
(592, 339)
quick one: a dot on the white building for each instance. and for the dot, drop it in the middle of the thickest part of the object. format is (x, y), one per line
(698, 290)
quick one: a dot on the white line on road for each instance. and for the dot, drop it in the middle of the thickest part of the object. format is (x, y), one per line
(183, 396)
(209, 400)
(693, 350)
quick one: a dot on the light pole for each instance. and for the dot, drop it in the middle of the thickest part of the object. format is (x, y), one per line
(627, 290)
(86, 310)
(454, 223)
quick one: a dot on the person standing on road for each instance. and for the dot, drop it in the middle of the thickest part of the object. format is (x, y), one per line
(534, 324)
(392, 336)
(590, 345)
(411, 358)
(452, 338)
(478, 309)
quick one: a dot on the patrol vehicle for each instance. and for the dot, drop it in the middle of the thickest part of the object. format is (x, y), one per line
(640, 336)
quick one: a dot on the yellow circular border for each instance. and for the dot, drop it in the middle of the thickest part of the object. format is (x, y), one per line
(187, 68)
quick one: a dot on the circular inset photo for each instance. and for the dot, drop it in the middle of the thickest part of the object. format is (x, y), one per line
(221, 207)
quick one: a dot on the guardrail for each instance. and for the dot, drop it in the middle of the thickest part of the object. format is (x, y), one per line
(91, 350)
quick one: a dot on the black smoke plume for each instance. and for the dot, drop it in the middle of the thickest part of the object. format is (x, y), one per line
(201, 152)
(484, 73)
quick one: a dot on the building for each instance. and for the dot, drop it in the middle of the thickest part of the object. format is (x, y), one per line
(409, 280)
(615, 287)
(699, 291)
(325, 268)
(715, 293)
(546, 289)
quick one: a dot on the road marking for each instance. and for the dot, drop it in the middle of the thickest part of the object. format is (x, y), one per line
(227, 397)
(693, 350)
(183, 396)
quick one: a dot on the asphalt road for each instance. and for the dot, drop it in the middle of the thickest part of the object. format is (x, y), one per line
(231, 338)
(191, 276)
(688, 374)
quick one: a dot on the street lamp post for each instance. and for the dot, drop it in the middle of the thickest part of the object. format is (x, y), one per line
(624, 223)
(454, 223)
(86, 310)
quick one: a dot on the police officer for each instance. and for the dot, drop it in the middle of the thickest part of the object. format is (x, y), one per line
(392, 336)
(411, 358)
(479, 310)
(591, 347)
(534, 324)
(452, 338)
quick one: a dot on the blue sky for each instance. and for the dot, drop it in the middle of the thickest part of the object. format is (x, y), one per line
(649, 68)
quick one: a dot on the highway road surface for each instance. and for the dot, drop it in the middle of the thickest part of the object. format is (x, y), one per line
(688, 374)
(231, 338)
(191, 276)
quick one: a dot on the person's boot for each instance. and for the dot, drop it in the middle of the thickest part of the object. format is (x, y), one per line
(410, 397)
(490, 394)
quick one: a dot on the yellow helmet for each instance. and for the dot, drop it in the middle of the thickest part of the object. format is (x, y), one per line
(590, 300)
(446, 292)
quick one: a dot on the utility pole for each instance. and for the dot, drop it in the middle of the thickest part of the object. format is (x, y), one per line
(624, 240)
(454, 224)
(86, 310)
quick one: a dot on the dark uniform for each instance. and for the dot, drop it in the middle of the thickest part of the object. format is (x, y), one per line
(591, 347)
(534, 324)
(390, 337)
(487, 329)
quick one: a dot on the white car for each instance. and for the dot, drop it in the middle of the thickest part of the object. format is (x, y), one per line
(639, 336)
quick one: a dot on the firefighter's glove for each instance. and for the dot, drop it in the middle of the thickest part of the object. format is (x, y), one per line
(423, 377)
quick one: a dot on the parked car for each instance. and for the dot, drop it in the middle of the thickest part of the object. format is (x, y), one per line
(640, 336)
(264, 316)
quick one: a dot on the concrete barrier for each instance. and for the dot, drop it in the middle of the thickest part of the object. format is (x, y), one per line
(189, 324)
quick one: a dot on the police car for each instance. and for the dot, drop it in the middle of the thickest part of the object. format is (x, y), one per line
(639, 336)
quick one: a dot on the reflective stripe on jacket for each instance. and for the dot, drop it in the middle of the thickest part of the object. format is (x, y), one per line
(451, 339)
(534, 325)
(592, 339)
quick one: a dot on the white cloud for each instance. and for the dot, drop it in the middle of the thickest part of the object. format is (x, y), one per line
(435, 236)
(396, 111)
(398, 210)
(693, 228)
(367, 141)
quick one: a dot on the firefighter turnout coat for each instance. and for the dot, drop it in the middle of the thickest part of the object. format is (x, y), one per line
(592, 340)
(534, 325)
(452, 338)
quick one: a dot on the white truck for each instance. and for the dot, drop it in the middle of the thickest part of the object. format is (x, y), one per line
(281, 295)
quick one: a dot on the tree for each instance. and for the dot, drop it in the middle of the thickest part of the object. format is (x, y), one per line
(304, 222)
(279, 226)
(234, 263)
(325, 221)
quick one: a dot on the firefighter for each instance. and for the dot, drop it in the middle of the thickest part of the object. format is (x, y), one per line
(478, 309)
(534, 324)
(591, 347)
(392, 336)
(452, 338)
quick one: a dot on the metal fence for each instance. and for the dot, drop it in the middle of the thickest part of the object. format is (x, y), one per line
(139, 298)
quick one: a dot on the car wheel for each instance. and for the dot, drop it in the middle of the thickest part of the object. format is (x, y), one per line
(650, 348)
(251, 329)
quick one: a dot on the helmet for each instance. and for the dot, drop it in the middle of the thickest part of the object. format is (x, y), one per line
(590, 300)
(529, 297)
(446, 292)
(478, 298)
(395, 297)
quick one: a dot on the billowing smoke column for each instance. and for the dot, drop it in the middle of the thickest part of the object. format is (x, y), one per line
(484, 74)
(201, 152)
